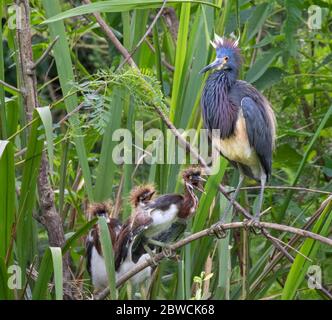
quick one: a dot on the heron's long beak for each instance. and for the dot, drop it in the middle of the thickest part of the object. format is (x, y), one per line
(216, 63)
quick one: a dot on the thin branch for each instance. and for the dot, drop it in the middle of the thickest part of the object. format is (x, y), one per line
(108, 31)
(7, 85)
(208, 232)
(45, 54)
(145, 35)
(285, 188)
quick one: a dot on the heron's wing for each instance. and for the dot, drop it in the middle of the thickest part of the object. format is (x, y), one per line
(88, 250)
(121, 245)
(164, 202)
(259, 131)
(173, 233)
(142, 221)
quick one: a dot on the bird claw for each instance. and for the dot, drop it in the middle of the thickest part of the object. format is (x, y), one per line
(219, 231)
(168, 252)
(153, 260)
(253, 225)
(151, 255)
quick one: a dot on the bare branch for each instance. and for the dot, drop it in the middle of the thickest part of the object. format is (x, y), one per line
(108, 31)
(7, 85)
(145, 35)
(45, 54)
(285, 188)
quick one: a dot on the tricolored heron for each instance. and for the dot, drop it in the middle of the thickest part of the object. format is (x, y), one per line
(127, 255)
(166, 215)
(243, 116)
(121, 246)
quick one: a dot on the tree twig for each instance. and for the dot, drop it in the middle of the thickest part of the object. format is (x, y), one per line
(45, 54)
(284, 188)
(7, 85)
(108, 31)
(144, 36)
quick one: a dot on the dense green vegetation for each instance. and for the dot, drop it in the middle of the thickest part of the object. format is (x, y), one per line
(86, 91)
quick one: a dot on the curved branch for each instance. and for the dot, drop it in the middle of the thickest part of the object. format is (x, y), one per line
(145, 35)
(110, 34)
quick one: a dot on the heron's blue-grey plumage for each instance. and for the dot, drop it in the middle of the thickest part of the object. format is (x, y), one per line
(226, 101)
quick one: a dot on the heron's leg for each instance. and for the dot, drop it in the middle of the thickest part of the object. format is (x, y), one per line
(151, 254)
(233, 198)
(261, 196)
(217, 227)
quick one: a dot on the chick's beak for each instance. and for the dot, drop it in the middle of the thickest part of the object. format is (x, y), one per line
(151, 193)
(199, 180)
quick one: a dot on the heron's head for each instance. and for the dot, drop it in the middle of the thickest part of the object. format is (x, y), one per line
(193, 177)
(102, 209)
(142, 194)
(228, 57)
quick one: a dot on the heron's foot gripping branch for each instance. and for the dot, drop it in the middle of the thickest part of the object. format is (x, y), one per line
(166, 248)
(168, 251)
(152, 255)
(218, 230)
(253, 225)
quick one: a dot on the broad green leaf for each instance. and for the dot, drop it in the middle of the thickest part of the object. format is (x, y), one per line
(261, 65)
(78, 234)
(7, 197)
(66, 76)
(257, 20)
(211, 190)
(107, 167)
(46, 118)
(118, 6)
(5, 292)
(181, 48)
(290, 26)
(3, 117)
(27, 197)
(51, 263)
(270, 77)
(107, 249)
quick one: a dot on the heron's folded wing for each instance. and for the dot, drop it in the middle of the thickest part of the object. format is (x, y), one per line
(259, 131)
(164, 202)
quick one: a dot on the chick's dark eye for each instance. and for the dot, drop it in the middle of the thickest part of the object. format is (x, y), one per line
(226, 58)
